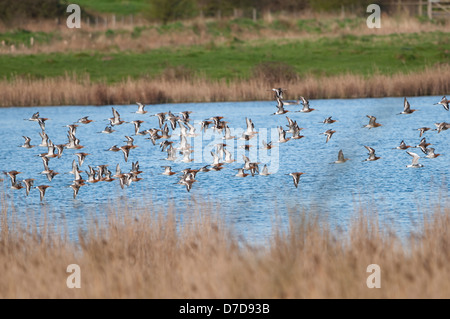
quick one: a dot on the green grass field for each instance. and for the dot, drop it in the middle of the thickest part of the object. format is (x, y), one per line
(236, 59)
(121, 7)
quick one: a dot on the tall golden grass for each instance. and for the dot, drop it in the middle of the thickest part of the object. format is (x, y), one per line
(80, 90)
(143, 253)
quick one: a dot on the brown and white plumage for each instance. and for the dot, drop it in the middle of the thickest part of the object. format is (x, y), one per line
(28, 184)
(415, 160)
(168, 171)
(402, 146)
(265, 171)
(407, 108)
(42, 189)
(422, 130)
(306, 108)
(430, 153)
(140, 108)
(76, 189)
(329, 134)
(241, 172)
(27, 143)
(444, 102)
(296, 177)
(372, 156)
(280, 108)
(372, 122)
(282, 135)
(341, 159)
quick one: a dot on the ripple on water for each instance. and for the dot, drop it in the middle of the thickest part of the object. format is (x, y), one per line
(250, 204)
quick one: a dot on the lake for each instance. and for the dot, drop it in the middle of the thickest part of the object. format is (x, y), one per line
(399, 195)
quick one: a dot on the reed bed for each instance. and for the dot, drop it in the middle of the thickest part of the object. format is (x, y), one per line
(76, 90)
(150, 253)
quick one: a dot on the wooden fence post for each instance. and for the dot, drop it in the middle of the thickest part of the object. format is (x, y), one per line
(430, 10)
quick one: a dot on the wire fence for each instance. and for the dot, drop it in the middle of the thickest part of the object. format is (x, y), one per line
(423, 8)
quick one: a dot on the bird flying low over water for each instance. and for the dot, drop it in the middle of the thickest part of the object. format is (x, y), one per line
(278, 92)
(407, 108)
(34, 117)
(12, 175)
(329, 120)
(444, 102)
(306, 108)
(328, 133)
(423, 144)
(115, 120)
(85, 120)
(140, 108)
(372, 122)
(443, 126)
(17, 186)
(296, 177)
(372, 156)
(168, 171)
(265, 171)
(28, 184)
(250, 127)
(267, 146)
(341, 159)
(185, 115)
(402, 146)
(126, 151)
(422, 130)
(280, 106)
(27, 142)
(187, 180)
(241, 172)
(107, 130)
(81, 157)
(430, 152)
(42, 189)
(415, 160)
(282, 135)
(161, 118)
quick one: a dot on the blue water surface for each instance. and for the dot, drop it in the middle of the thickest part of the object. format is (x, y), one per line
(252, 205)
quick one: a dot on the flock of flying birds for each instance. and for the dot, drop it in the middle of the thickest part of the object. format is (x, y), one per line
(169, 121)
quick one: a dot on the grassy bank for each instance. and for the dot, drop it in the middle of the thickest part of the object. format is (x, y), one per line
(145, 254)
(237, 60)
(344, 66)
(114, 6)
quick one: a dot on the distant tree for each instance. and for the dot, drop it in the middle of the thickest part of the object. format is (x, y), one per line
(281, 5)
(212, 6)
(332, 5)
(13, 10)
(169, 10)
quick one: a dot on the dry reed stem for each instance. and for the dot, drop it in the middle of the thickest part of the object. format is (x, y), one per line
(73, 90)
(151, 253)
